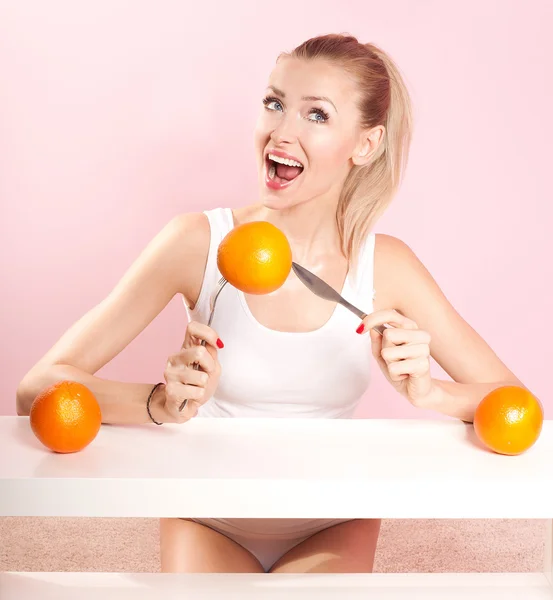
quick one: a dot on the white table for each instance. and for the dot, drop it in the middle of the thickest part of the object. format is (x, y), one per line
(277, 468)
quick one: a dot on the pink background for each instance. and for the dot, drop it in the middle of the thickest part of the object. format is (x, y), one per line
(116, 116)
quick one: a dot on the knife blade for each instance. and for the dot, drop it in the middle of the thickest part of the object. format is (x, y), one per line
(323, 290)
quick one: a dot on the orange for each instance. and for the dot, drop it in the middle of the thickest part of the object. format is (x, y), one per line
(65, 416)
(509, 420)
(255, 257)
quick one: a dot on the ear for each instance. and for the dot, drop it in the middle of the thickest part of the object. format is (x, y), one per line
(370, 140)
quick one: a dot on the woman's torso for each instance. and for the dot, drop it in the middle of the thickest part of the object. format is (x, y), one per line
(268, 373)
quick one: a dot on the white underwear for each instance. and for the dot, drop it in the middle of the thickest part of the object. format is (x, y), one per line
(268, 539)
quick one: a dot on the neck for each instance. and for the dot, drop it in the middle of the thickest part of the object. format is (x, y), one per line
(312, 232)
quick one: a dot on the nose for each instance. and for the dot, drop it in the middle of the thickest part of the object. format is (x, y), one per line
(286, 131)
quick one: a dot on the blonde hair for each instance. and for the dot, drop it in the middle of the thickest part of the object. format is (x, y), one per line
(384, 100)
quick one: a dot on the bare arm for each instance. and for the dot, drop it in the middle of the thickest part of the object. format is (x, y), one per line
(173, 262)
(455, 345)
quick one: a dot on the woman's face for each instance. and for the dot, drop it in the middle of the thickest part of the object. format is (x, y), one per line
(309, 122)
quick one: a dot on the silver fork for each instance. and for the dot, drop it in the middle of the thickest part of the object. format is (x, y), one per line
(220, 285)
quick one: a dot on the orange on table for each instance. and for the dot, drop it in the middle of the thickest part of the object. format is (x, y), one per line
(255, 257)
(509, 420)
(65, 416)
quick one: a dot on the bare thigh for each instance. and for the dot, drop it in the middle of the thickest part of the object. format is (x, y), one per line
(344, 548)
(190, 547)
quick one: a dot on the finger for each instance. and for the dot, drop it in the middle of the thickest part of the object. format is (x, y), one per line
(203, 358)
(395, 353)
(199, 332)
(383, 317)
(376, 347)
(177, 393)
(414, 367)
(174, 402)
(212, 351)
(189, 356)
(190, 406)
(395, 336)
(376, 344)
(188, 375)
(190, 410)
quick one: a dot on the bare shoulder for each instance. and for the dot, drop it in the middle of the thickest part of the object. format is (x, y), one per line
(188, 229)
(391, 247)
(187, 238)
(394, 261)
(403, 282)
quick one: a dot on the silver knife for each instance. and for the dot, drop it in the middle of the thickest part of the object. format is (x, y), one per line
(323, 290)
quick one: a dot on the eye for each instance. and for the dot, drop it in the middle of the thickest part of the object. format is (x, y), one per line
(271, 103)
(320, 115)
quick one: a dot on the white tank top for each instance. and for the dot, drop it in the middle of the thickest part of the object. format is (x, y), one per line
(268, 373)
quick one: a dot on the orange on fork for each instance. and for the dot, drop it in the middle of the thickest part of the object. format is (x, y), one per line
(255, 257)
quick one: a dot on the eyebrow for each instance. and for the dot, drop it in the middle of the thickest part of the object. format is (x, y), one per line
(306, 98)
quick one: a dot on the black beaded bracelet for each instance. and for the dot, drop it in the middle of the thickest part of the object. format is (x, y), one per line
(149, 400)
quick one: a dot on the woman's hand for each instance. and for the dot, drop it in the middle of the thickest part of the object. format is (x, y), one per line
(403, 354)
(183, 382)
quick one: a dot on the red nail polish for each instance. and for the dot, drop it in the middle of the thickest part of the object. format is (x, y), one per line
(361, 328)
(220, 343)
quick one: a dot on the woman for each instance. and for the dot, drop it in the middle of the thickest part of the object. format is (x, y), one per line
(331, 142)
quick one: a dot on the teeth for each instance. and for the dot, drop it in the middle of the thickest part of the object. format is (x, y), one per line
(285, 161)
(272, 172)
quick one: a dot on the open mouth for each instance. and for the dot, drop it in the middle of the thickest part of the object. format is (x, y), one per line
(281, 172)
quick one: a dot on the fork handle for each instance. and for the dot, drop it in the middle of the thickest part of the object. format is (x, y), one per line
(195, 365)
(203, 342)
